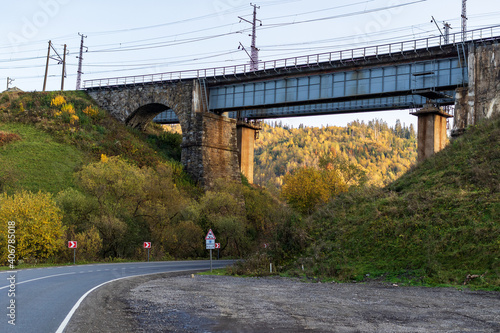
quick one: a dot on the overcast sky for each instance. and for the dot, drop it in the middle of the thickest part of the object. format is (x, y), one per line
(131, 37)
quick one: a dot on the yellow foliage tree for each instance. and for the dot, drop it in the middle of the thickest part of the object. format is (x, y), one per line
(306, 188)
(89, 244)
(38, 225)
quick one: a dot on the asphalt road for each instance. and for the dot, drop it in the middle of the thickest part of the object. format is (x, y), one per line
(44, 297)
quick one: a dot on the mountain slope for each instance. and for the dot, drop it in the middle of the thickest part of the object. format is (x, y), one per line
(438, 223)
(383, 153)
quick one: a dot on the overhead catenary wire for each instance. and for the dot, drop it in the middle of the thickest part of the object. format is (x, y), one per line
(188, 60)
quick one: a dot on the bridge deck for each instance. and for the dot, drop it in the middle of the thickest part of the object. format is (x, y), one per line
(392, 76)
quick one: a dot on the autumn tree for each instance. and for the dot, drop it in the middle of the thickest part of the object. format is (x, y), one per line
(38, 226)
(133, 203)
(223, 209)
(352, 174)
(373, 147)
(307, 188)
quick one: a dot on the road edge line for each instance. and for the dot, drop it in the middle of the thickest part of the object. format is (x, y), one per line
(66, 320)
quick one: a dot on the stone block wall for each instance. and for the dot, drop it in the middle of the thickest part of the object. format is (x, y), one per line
(481, 99)
(209, 147)
(214, 153)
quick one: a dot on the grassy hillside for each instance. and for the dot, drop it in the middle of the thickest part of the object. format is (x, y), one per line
(36, 162)
(438, 224)
(50, 148)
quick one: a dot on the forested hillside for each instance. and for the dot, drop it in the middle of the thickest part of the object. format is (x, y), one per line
(382, 152)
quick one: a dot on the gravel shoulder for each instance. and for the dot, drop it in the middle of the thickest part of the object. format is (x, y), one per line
(181, 303)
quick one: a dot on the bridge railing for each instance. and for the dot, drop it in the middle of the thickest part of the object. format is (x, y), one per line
(303, 61)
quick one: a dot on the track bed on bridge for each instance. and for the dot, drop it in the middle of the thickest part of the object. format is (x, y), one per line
(230, 304)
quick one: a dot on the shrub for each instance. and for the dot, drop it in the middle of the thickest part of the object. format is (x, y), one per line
(91, 112)
(58, 101)
(38, 226)
(6, 138)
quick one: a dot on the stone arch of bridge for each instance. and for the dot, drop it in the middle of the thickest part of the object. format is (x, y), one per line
(143, 115)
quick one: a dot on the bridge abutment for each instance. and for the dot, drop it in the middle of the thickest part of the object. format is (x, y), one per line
(481, 99)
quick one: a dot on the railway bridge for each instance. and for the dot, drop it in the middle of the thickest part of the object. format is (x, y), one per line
(217, 107)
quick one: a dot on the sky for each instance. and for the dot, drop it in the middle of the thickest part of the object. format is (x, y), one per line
(130, 37)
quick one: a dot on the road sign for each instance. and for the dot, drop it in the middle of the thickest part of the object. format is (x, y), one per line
(147, 245)
(210, 235)
(217, 245)
(210, 244)
(72, 244)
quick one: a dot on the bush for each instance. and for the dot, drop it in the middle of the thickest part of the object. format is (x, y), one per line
(38, 226)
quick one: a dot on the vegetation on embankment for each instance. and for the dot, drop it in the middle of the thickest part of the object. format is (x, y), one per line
(111, 188)
(116, 187)
(438, 224)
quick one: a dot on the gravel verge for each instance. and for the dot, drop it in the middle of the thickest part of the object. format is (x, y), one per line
(167, 303)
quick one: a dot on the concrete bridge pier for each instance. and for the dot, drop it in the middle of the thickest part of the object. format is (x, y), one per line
(431, 131)
(247, 133)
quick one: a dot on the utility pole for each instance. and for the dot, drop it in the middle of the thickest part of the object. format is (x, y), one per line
(254, 54)
(447, 28)
(464, 20)
(64, 68)
(80, 60)
(9, 81)
(61, 60)
(47, 66)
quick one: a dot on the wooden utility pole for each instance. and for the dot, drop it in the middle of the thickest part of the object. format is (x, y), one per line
(64, 68)
(9, 81)
(47, 66)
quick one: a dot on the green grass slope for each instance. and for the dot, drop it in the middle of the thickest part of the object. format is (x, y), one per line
(437, 224)
(36, 162)
(48, 147)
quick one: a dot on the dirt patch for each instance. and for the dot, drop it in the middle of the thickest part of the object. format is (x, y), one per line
(107, 309)
(230, 304)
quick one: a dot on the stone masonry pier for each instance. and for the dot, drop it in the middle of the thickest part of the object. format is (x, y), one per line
(209, 141)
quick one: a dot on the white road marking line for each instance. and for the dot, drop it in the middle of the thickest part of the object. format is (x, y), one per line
(77, 304)
(40, 278)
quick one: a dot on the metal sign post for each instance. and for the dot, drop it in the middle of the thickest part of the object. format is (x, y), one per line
(147, 245)
(210, 241)
(73, 245)
(217, 246)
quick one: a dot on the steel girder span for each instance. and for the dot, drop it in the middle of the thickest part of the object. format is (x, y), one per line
(387, 87)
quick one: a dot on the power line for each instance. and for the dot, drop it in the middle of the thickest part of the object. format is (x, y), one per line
(165, 44)
(271, 26)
